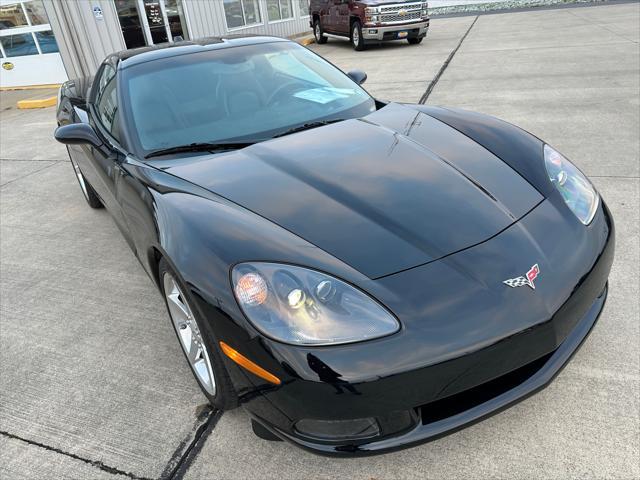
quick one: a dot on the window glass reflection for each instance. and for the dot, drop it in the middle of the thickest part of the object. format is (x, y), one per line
(130, 23)
(176, 17)
(12, 16)
(19, 45)
(47, 42)
(240, 13)
(155, 21)
(304, 7)
(35, 11)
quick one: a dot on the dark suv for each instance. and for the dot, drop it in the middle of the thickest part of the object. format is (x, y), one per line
(368, 21)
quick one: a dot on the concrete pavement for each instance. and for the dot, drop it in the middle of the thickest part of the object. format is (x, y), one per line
(396, 70)
(92, 382)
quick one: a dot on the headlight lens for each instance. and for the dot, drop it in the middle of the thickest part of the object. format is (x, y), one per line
(576, 190)
(305, 307)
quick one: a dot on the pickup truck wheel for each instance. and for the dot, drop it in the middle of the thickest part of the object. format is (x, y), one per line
(414, 41)
(356, 37)
(318, 32)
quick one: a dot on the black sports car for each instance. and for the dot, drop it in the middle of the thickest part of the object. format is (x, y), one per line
(360, 275)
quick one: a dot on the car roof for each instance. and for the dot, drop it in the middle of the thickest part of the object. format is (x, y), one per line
(127, 58)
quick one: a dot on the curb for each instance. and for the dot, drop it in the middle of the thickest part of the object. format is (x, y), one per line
(40, 103)
(507, 6)
(307, 41)
(31, 87)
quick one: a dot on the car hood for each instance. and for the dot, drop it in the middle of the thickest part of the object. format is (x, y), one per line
(383, 193)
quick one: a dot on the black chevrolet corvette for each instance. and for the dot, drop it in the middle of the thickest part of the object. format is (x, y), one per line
(361, 275)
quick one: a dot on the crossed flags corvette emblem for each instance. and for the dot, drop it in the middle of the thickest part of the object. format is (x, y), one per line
(531, 275)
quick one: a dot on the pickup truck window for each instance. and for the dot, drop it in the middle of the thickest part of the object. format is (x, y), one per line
(241, 94)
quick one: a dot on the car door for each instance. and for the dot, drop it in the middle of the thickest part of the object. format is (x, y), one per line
(104, 161)
(341, 23)
(328, 15)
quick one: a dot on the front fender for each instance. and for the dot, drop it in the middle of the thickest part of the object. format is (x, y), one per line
(202, 236)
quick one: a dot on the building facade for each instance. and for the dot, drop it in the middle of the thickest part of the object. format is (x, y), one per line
(48, 41)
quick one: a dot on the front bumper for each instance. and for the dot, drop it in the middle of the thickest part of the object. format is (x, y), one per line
(534, 376)
(414, 30)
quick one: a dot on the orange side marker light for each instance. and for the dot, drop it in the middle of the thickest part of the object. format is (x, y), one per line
(248, 364)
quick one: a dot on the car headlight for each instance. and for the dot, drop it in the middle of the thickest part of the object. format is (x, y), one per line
(576, 190)
(301, 306)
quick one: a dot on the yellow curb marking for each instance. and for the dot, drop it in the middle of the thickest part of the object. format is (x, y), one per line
(40, 103)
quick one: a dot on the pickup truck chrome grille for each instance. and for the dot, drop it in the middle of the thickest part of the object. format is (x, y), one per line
(400, 6)
(397, 17)
(401, 12)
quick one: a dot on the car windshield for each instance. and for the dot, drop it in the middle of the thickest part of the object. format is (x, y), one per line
(238, 94)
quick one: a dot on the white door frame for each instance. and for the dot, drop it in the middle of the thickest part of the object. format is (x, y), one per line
(142, 13)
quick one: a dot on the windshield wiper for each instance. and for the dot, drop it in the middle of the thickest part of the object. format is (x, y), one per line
(198, 147)
(308, 126)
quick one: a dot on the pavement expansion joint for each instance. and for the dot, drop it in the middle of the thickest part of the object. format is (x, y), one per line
(94, 463)
(31, 173)
(188, 450)
(444, 66)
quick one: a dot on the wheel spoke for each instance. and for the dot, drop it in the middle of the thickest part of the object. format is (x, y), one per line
(189, 334)
(195, 351)
(201, 369)
(186, 334)
(178, 308)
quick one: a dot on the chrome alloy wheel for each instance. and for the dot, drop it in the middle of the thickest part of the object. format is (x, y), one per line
(355, 35)
(189, 334)
(317, 32)
(83, 185)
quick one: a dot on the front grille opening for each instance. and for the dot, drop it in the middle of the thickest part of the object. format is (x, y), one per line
(463, 401)
(394, 35)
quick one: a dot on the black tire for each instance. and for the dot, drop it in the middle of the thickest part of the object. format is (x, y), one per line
(87, 190)
(415, 41)
(318, 32)
(356, 37)
(225, 397)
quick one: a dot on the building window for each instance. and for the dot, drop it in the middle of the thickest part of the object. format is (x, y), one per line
(19, 45)
(303, 5)
(177, 19)
(279, 10)
(36, 13)
(12, 16)
(241, 13)
(47, 41)
(34, 35)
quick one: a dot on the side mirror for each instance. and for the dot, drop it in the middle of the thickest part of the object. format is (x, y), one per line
(357, 76)
(77, 134)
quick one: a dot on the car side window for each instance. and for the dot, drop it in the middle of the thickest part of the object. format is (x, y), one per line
(106, 102)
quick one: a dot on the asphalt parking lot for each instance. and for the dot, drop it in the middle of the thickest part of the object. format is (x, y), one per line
(92, 381)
